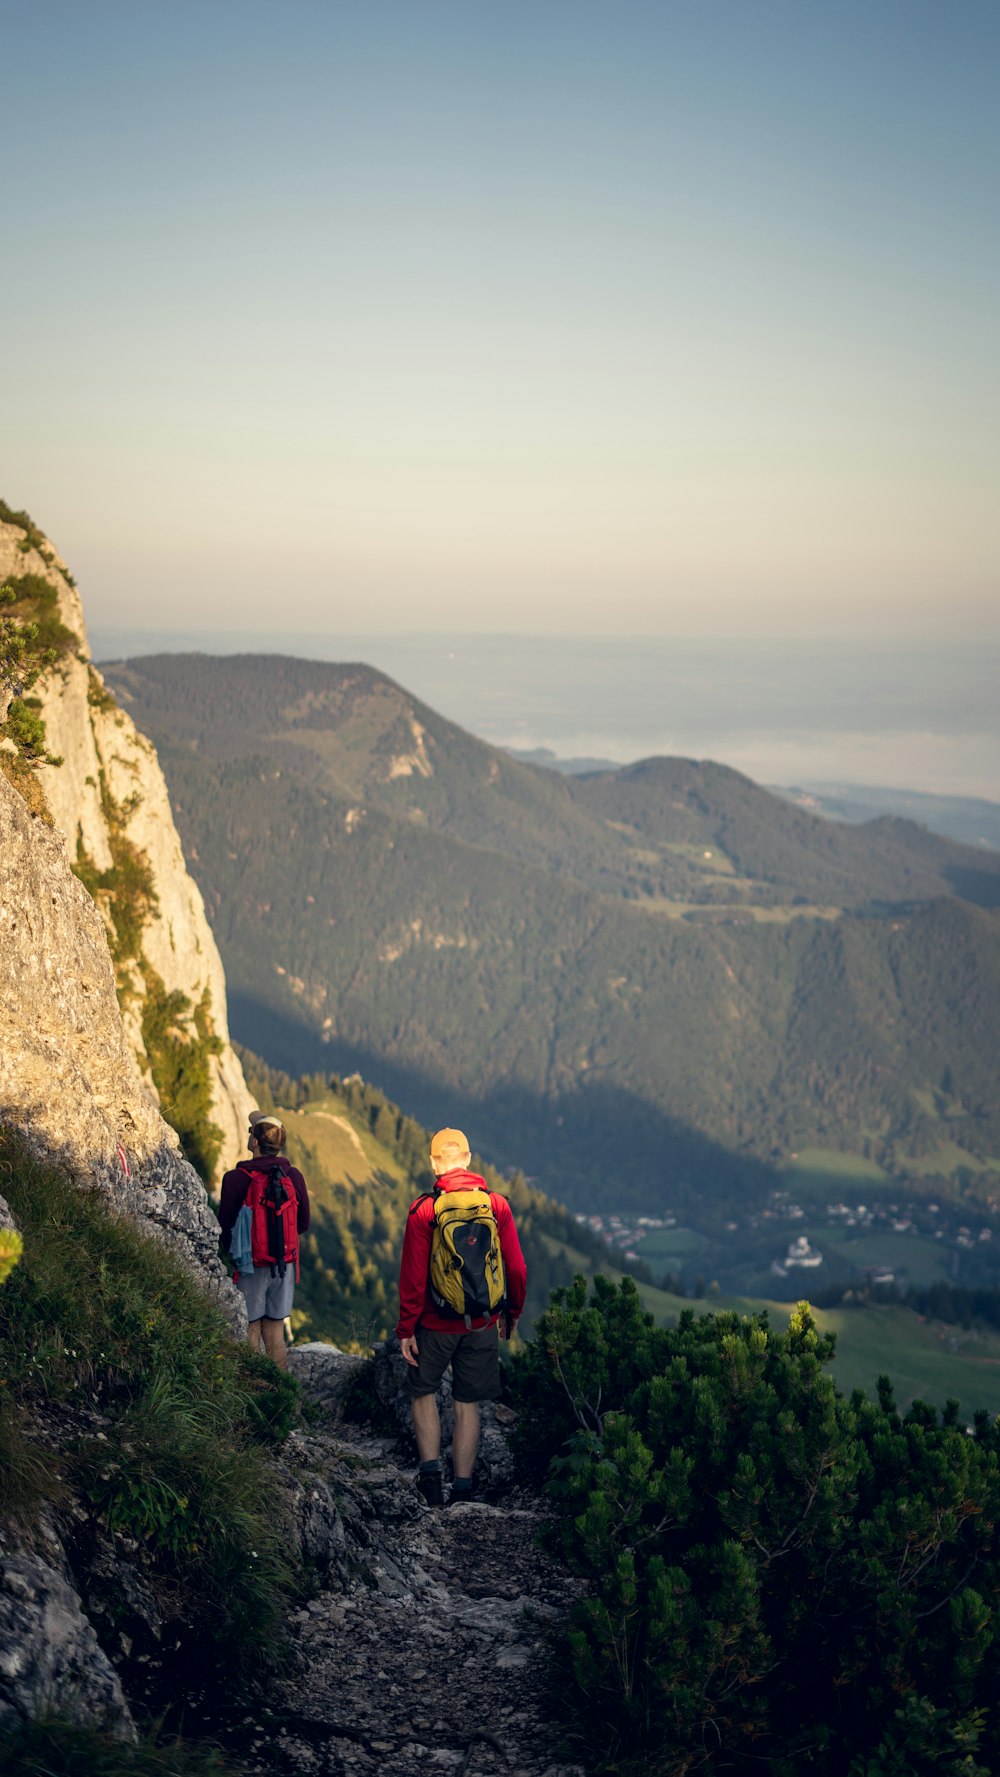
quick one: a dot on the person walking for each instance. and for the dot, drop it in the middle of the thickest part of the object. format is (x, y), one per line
(263, 1208)
(462, 1283)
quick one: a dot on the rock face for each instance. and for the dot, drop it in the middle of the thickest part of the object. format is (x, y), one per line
(50, 1657)
(70, 1081)
(109, 787)
(423, 1645)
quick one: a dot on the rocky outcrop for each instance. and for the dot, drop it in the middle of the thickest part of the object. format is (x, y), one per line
(108, 789)
(50, 1657)
(423, 1644)
(70, 1081)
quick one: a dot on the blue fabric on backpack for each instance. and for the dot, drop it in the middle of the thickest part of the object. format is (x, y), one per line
(240, 1250)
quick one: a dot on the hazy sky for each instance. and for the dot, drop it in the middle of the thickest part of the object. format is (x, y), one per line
(646, 318)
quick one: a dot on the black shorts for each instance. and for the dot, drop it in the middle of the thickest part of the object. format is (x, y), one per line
(474, 1360)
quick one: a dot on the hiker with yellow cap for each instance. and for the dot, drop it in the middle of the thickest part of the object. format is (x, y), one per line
(462, 1282)
(263, 1208)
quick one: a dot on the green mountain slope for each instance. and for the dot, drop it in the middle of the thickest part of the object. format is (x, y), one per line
(382, 894)
(759, 846)
(644, 829)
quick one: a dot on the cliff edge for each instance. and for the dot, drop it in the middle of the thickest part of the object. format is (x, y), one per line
(108, 799)
(68, 1078)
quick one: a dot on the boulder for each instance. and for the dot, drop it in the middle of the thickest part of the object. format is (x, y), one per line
(50, 1657)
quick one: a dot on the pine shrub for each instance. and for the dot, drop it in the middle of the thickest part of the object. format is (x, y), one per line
(776, 1577)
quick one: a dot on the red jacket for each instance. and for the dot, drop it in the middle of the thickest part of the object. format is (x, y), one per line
(415, 1304)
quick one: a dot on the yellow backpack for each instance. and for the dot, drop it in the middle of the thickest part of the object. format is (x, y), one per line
(466, 1274)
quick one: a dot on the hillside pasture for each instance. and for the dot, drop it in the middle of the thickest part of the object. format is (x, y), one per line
(913, 1257)
(715, 911)
(670, 1243)
(948, 1161)
(831, 1176)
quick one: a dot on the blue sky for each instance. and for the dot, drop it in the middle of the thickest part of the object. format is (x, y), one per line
(653, 319)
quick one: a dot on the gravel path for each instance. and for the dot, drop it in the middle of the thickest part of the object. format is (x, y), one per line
(431, 1655)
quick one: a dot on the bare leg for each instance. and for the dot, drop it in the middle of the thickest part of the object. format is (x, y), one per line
(255, 1338)
(465, 1442)
(274, 1341)
(427, 1427)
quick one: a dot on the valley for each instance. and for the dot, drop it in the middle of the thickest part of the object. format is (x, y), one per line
(365, 1161)
(660, 991)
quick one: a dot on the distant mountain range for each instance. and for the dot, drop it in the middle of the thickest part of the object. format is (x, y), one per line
(659, 980)
(972, 820)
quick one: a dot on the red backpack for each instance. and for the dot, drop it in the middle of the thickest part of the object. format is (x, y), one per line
(274, 1220)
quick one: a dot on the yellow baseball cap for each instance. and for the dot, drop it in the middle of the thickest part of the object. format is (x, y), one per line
(448, 1141)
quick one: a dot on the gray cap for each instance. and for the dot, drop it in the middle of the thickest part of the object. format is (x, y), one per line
(258, 1118)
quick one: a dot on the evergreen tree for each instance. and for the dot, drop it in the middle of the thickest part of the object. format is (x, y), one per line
(775, 1577)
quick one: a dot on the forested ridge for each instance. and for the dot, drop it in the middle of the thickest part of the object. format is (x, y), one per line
(660, 981)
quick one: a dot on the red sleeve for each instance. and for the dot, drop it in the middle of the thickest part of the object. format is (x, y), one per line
(414, 1266)
(303, 1196)
(515, 1269)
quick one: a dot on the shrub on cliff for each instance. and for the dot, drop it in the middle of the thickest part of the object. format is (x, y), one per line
(776, 1577)
(103, 1329)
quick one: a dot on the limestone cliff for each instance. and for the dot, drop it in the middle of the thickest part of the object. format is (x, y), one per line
(108, 799)
(68, 1078)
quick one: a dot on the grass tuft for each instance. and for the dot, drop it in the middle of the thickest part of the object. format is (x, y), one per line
(51, 1747)
(99, 1314)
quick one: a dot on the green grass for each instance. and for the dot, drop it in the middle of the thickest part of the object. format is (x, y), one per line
(928, 1100)
(52, 1747)
(826, 1172)
(923, 1260)
(670, 1243)
(947, 1159)
(337, 1147)
(99, 1313)
(925, 1360)
(703, 910)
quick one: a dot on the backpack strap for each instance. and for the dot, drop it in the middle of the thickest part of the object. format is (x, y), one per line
(433, 1195)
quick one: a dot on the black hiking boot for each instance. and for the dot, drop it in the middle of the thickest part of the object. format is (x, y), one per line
(460, 1496)
(430, 1487)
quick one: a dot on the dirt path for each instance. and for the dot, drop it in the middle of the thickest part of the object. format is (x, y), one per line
(432, 1657)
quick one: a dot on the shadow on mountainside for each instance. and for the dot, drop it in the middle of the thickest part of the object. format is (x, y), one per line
(981, 887)
(595, 1147)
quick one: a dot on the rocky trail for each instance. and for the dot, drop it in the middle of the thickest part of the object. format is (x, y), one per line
(426, 1647)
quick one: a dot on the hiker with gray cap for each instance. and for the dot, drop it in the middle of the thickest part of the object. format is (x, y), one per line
(263, 1208)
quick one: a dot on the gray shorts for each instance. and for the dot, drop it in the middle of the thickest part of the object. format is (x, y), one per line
(267, 1297)
(474, 1360)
